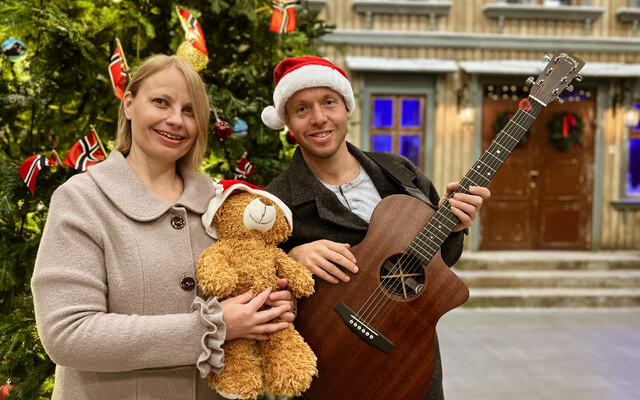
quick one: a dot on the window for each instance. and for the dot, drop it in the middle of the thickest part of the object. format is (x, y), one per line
(633, 171)
(397, 125)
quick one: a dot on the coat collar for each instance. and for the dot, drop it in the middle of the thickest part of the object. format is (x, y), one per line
(305, 187)
(119, 183)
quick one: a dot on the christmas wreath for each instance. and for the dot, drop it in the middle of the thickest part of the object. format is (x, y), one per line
(565, 129)
(502, 120)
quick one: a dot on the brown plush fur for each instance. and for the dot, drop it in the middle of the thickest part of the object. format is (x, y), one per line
(249, 260)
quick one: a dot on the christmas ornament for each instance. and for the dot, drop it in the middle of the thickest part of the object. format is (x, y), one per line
(118, 71)
(501, 121)
(196, 58)
(222, 130)
(240, 128)
(283, 18)
(4, 390)
(194, 50)
(565, 129)
(14, 49)
(85, 152)
(291, 139)
(244, 168)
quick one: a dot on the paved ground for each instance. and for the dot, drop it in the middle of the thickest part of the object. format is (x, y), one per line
(539, 354)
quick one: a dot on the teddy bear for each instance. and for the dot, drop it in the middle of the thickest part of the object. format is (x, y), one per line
(249, 223)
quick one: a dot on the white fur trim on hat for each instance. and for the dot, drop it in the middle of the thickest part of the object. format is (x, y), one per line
(307, 76)
(220, 195)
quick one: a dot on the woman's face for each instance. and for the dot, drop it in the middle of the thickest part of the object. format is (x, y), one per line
(163, 127)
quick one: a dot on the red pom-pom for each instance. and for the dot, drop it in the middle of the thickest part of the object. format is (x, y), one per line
(222, 130)
(291, 139)
(4, 391)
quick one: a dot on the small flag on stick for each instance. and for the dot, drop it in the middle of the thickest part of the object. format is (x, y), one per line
(32, 165)
(86, 152)
(283, 18)
(192, 30)
(244, 168)
(118, 71)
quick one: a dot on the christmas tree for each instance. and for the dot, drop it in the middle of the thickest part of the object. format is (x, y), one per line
(55, 85)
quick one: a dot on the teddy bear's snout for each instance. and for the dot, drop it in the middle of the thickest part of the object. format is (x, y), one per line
(260, 216)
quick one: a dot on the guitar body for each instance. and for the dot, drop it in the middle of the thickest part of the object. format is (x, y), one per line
(348, 366)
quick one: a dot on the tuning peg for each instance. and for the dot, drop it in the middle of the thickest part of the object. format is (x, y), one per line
(531, 80)
(578, 78)
(549, 70)
(547, 57)
(570, 88)
(560, 99)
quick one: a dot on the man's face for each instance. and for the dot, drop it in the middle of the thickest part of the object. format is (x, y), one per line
(318, 119)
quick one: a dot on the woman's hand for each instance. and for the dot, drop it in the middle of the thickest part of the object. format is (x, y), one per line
(243, 319)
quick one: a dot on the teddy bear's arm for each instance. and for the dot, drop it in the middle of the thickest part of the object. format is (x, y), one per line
(300, 278)
(215, 276)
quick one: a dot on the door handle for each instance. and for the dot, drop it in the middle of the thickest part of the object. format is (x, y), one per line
(533, 173)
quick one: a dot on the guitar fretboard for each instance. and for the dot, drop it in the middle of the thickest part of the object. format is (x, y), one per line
(434, 233)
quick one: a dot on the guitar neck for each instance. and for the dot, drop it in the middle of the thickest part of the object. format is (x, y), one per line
(435, 232)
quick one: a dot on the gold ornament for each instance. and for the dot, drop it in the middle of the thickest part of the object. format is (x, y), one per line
(195, 57)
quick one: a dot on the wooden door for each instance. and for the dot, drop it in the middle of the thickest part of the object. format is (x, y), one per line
(541, 197)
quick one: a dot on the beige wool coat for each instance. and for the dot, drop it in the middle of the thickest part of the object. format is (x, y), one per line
(114, 288)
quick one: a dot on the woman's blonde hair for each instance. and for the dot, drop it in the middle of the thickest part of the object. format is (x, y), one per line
(199, 102)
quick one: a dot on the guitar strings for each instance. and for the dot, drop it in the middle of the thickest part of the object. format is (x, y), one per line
(449, 216)
(419, 241)
(377, 307)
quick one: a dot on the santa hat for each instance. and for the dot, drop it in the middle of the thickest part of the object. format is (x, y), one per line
(224, 188)
(294, 74)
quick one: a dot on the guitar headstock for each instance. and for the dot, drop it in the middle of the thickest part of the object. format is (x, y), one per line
(562, 68)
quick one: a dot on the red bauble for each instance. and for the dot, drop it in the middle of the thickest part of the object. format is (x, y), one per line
(4, 391)
(291, 139)
(222, 130)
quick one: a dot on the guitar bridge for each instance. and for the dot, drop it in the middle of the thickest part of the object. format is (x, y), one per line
(360, 328)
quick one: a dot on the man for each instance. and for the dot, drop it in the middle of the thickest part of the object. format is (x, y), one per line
(332, 187)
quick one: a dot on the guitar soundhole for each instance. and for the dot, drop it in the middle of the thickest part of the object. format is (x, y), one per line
(402, 275)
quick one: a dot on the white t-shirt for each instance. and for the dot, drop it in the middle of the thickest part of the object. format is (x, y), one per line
(360, 195)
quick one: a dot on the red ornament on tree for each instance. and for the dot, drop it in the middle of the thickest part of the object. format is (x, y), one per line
(222, 130)
(4, 391)
(291, 139)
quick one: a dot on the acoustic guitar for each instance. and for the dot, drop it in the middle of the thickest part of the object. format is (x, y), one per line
(374, 336)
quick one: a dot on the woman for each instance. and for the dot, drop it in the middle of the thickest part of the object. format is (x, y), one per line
(114, 285)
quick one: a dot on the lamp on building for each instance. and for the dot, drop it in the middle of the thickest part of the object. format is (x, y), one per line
(467, 115)
(631, 117)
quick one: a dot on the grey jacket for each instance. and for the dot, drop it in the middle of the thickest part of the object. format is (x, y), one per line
(114, 288)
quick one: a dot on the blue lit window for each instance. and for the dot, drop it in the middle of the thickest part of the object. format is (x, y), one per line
(382, 143)
(410, 113)
(383, 113)
(633, 175)
(410, 148)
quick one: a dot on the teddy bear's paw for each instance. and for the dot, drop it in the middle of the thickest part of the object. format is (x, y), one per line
(288, 362)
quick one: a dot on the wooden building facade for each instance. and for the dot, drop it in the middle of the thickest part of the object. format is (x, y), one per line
(435, 81)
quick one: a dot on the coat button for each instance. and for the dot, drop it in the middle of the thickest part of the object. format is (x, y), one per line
(177, 222)
(187, 283)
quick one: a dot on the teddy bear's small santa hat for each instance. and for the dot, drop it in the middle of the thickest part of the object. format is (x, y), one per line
(224, 188)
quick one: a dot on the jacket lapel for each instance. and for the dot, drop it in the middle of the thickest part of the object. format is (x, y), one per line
(305, 187)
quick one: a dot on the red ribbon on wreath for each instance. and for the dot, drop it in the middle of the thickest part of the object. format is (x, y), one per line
(568, 122)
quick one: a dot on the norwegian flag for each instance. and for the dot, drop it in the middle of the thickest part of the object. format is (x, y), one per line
(284, 16)
(118, 72)
(244, 169)
(32, 165)
(192, 30)
(85, 152)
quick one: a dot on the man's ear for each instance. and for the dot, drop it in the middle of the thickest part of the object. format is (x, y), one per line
(127, 100)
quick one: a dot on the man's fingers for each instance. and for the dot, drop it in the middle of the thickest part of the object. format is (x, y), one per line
(342, 249)
(332, 269)
(322, 274)
(282, 283)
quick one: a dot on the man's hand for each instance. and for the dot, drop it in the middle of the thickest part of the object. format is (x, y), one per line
(465, 206)
(325, 259)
